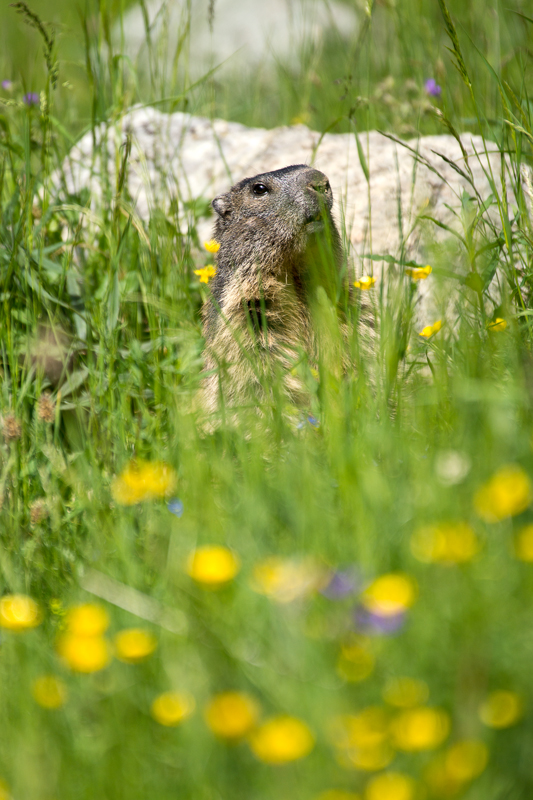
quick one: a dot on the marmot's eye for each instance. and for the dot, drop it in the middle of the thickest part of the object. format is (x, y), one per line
(259, 189)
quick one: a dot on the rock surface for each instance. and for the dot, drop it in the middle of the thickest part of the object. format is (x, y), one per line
(182, 158)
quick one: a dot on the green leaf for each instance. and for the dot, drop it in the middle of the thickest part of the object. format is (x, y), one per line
(362, 159)
(474, 281)
(74, 381)
(443, 226)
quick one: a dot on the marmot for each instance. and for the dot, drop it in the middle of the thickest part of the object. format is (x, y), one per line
(278, 244)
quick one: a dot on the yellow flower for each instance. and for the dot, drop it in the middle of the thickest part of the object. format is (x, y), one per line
(447, 773)
(134, 645)
(143, 480)
(501, 709)
(302, 119)
(506, 494)
(498, 324)
(281, 739)
(405, 692)
(83, 647)
(369, 759)
(18, 612)
(5, 794)
(84, 654)
(420, 728)
(362, 739)
(390, 594)
(171, 708)
(213, 565)
(523, 543)
(429, 330)
(356, 662)
(285, 580)
(206, 273)
(367, 729)
(365, 282)
(390, 786)
(232, 715)
(419, 273)
(445, 543)
(49, 691)
(212, 246)
(466, 760)
(88, 619)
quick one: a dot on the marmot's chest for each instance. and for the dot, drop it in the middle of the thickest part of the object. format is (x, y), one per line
(269, 311)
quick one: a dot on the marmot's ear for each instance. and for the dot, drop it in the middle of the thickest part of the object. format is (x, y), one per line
(221, 205)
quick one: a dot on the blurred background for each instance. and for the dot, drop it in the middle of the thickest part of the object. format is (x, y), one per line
(269, 64)
(358, 579)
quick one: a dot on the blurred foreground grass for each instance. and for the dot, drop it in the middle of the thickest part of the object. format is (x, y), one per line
(335, 609)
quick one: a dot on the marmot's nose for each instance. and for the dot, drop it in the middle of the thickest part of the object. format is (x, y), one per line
(319, 184)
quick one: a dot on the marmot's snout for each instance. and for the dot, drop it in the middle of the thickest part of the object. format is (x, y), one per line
(318, 184)
(317, 194)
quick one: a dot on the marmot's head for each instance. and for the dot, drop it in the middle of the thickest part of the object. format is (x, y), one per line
(281, 206)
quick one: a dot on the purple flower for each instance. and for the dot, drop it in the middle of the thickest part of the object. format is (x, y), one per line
(7, 85)
(313, 421)
(31, 99)
(370, 622)
(175, 506)
(432, 87)
(342, 583)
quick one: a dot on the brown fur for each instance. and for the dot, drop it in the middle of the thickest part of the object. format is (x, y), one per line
(278, 244)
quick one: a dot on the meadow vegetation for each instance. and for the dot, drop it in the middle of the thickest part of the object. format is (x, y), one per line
(328, 603)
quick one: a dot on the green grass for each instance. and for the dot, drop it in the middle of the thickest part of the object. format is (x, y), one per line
(349, 493)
